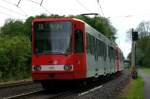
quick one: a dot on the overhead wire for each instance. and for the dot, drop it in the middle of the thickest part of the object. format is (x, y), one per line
(34, 2)
(9, 2)
(5, 13)
(11, 10)
(129, 16)
(125, 16)
(16, 6)
(18, 3)
(100, 8)
(23, 11)
(82, 5)
(40, 4)
(44, 7)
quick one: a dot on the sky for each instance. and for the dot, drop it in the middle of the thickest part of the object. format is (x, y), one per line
(123, 14)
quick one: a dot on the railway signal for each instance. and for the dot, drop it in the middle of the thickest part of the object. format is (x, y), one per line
(134, 35)
(133, 54)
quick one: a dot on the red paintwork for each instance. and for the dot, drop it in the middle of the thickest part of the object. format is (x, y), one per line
(118, 59)
(78, 69)
(77, 60)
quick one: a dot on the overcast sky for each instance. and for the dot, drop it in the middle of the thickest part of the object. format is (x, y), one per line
(123, 14)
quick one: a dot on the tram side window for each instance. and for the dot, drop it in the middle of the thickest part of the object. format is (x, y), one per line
(102, 52)
(99, 50)
(110, 53)
(87, 44)
(79, 41)
(105, 51)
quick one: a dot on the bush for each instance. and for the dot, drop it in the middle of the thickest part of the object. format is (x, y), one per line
(15, 53)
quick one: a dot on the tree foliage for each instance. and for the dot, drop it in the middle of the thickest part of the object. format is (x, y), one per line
(13, 27)
(143, 44)
(142, 52)
(14, 57)
(144, 29)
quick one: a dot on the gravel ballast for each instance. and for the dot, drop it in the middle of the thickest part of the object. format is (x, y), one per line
(109, 90)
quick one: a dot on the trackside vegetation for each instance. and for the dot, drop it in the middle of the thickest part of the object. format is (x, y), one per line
(14, 57)
(142, 45)
(134, 90)
(15, 44)
(146, 70)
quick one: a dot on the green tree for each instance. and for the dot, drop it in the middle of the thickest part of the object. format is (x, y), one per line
(13, 27)
(28, 27)
(143, 46)
(144, 29)
(14, 54)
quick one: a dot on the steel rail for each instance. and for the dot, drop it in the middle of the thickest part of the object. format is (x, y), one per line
(24, 94)
(6, 85)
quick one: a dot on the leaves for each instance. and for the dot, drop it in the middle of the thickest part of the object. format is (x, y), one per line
(144, 29)
(143, 46)
(13, 27)
(143, 43)
(14, 54)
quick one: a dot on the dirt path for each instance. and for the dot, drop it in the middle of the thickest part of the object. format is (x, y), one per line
(146, 78)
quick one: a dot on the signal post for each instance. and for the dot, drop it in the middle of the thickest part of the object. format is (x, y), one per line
(133, 54)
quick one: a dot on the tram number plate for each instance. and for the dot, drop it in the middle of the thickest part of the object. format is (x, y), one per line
(52, 67)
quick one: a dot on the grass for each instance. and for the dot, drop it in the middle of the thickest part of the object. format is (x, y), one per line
(146, 70)
(134, 90)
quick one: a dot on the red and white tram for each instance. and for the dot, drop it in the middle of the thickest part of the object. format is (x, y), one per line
(65, 49)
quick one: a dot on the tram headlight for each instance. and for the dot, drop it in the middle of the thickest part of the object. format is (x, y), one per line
(37, 68)
(67, 67)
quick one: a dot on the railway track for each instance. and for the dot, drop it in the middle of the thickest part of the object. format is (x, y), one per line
(24, 94)
(41, 94)
(13, 84)
(106, 90)
(11, 90)
(64, 94)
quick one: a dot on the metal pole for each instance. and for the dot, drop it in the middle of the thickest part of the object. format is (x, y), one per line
(133, 60)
